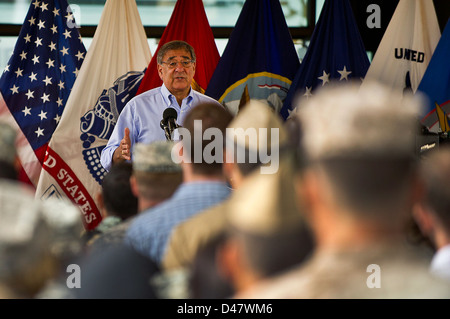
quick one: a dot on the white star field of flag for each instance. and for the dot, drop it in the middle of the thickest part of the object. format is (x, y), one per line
(37, 80)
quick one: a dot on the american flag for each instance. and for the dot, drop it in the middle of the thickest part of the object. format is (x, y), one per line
(39, 76)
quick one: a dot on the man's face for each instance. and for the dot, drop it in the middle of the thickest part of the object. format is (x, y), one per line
(178, 79)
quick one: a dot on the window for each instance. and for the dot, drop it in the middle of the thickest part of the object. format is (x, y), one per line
(155, 14)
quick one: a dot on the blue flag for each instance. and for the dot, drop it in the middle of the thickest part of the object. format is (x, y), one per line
(336, 52)
(39, 76)
(259, 61)
(435, 83)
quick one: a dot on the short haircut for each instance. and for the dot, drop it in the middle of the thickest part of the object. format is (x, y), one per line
(272, 254)
(211, 115)
(436, 175)
(246, 167)
(175, 45)
(118, 198)
(373, 187)
(8, 171)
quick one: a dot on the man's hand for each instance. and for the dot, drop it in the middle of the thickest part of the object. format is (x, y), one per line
(123, 152)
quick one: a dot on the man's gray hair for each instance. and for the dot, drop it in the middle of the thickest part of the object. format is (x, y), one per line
(175, 45)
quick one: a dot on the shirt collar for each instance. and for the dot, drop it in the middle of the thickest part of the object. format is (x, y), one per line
(168, 97)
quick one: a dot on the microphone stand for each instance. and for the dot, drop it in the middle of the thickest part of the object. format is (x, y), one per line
(166, 130)
(169, 128)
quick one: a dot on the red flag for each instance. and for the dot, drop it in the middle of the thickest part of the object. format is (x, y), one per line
(187, 23)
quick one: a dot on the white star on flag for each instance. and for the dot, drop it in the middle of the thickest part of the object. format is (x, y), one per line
(45, 98)
(67, 34)
(19, 72)
(39, 132)
(41, 24)
(26, 111)
(38, 42)
(64, 51)
(35, 59)
(44, 6)
(43, 115)
(30, 94)
(50, 63)
(33, 76)
(325, 78)
(80, 55)
(291, 112)
(14, 89)
(308, 93)
(47, 80)
(57, 118)
(344, 74)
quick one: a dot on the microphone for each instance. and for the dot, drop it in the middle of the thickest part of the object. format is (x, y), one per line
(168, 123)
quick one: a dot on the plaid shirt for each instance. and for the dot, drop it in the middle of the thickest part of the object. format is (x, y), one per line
(149, 233)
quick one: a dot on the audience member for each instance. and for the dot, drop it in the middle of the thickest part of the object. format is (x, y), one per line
(203, 184)
(433, 213)
(116, 202)
(190, 236)
(266, 231)
(151, 179)
(205, 280)
(359, 187)
(37, 239)
(116, 272)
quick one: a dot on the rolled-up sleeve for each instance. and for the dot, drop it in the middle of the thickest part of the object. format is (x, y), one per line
(124, 120)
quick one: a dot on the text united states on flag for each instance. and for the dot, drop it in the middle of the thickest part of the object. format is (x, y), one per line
(38, 78)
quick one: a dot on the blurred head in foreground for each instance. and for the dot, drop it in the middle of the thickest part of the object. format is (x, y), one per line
(36, 238)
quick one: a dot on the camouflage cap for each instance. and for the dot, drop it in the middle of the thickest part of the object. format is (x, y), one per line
(155, 157)
(31, 228)
(257, 115)
(352, 121)
(24, 234)
(7, 143)
(66, 226)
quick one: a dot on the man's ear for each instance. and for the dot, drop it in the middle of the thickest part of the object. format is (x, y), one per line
(423, 218)
(134, 186)
(160, 71)
(17, 164)
(193, 66)
(101, 204)
(227, 260)
(306, 189)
